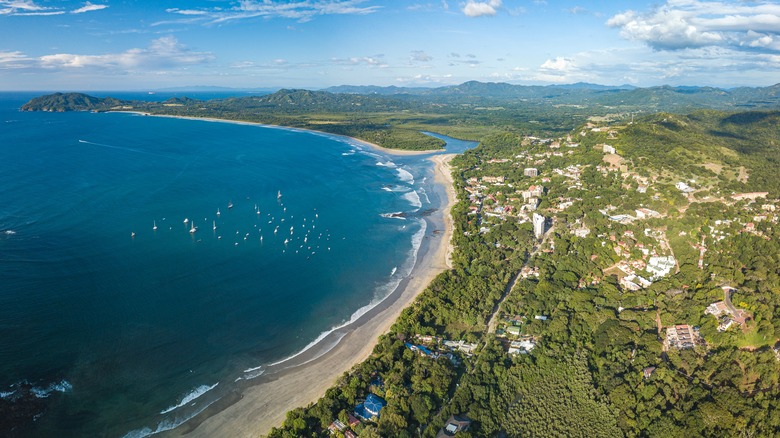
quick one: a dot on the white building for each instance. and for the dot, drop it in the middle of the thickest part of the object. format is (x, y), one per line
(538, 221)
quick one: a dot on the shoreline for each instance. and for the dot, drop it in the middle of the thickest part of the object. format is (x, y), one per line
(389, 151)
(262, 403)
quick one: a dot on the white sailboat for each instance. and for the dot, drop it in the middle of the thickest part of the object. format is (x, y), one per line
(192, 228)
(215, 224)
(279, 194)
(155, 225)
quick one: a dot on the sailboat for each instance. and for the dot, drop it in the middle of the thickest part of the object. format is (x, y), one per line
(230, 204)
(155, 226)
(218, 213)
(279, 194)
(192, 228)
(215, 224)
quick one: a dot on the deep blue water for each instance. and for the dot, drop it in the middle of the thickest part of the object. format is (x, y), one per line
(119, 328)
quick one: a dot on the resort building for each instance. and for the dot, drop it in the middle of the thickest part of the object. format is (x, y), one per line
(371, 407)
(531, 171)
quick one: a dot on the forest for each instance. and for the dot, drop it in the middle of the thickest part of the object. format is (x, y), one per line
(602, 364)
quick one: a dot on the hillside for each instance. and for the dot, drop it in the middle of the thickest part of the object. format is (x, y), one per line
(643, 304)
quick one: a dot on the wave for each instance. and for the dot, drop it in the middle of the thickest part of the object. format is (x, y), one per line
(167, 424)
(394, 215)
(395, 269)
(387, 164)
(382, 292)
(424, 193)
(61, 386)
(194, 394)
(413, 199)
(6, 394)
(396, 189)
(405, 176)
(10, 232)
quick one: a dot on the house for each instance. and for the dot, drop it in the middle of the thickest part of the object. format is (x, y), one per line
(522, 346)
(716, 309)
(681, 336)
(513, 330)
(531, 171)
(352, 420)
(349, 434)
(685, 188)
(371, 407)
(608, 149)
(454, 424)
(540, 317)
(336, 425)
(648, 372)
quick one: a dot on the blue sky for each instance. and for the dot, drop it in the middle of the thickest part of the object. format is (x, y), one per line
(140, 45)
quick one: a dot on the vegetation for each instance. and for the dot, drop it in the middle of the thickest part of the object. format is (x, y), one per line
(602, 364)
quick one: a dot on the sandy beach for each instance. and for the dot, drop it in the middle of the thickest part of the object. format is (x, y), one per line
(239, 122)
(262, 404)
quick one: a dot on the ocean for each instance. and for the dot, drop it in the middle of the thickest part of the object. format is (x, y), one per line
(148, 265)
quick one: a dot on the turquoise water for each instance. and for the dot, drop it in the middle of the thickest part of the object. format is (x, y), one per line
(116, 328)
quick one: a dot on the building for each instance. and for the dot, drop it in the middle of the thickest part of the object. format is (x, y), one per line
(660, 266)
(538, 221)
(454, 424)
(371, 407)
(681, 336)
(531, 171)
(608, 149)
(522, 346)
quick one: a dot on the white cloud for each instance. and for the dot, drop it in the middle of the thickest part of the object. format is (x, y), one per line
(370, 61)
(88, 7)
(478, 9)
(681, 24)
(164, 52)
(559, 64)
(30, 8)
(420, 56)
(301, 10)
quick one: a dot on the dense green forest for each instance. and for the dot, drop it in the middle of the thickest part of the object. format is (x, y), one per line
(603, 364)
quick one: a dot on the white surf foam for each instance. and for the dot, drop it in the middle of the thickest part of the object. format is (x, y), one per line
(61, 386)
(405, 175)
(413, 199)
(167, 424)
(192, 395)
(387, 164)
(393, 215)
(6, 394)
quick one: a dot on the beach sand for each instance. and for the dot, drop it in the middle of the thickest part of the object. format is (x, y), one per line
(239, 122)
(264, 403)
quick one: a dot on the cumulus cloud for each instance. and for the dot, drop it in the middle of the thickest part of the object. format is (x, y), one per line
(478, 9)
(683, 24)
(301, 10)
(164, 52)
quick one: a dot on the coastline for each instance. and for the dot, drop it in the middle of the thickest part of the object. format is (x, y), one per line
(314, 131)
(263, 403)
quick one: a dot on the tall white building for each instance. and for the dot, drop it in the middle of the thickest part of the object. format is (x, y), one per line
(538, 221)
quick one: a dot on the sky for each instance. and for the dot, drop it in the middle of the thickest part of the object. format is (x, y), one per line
(154, 44)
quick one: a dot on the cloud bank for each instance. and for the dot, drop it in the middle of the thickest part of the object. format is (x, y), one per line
(685, 24)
